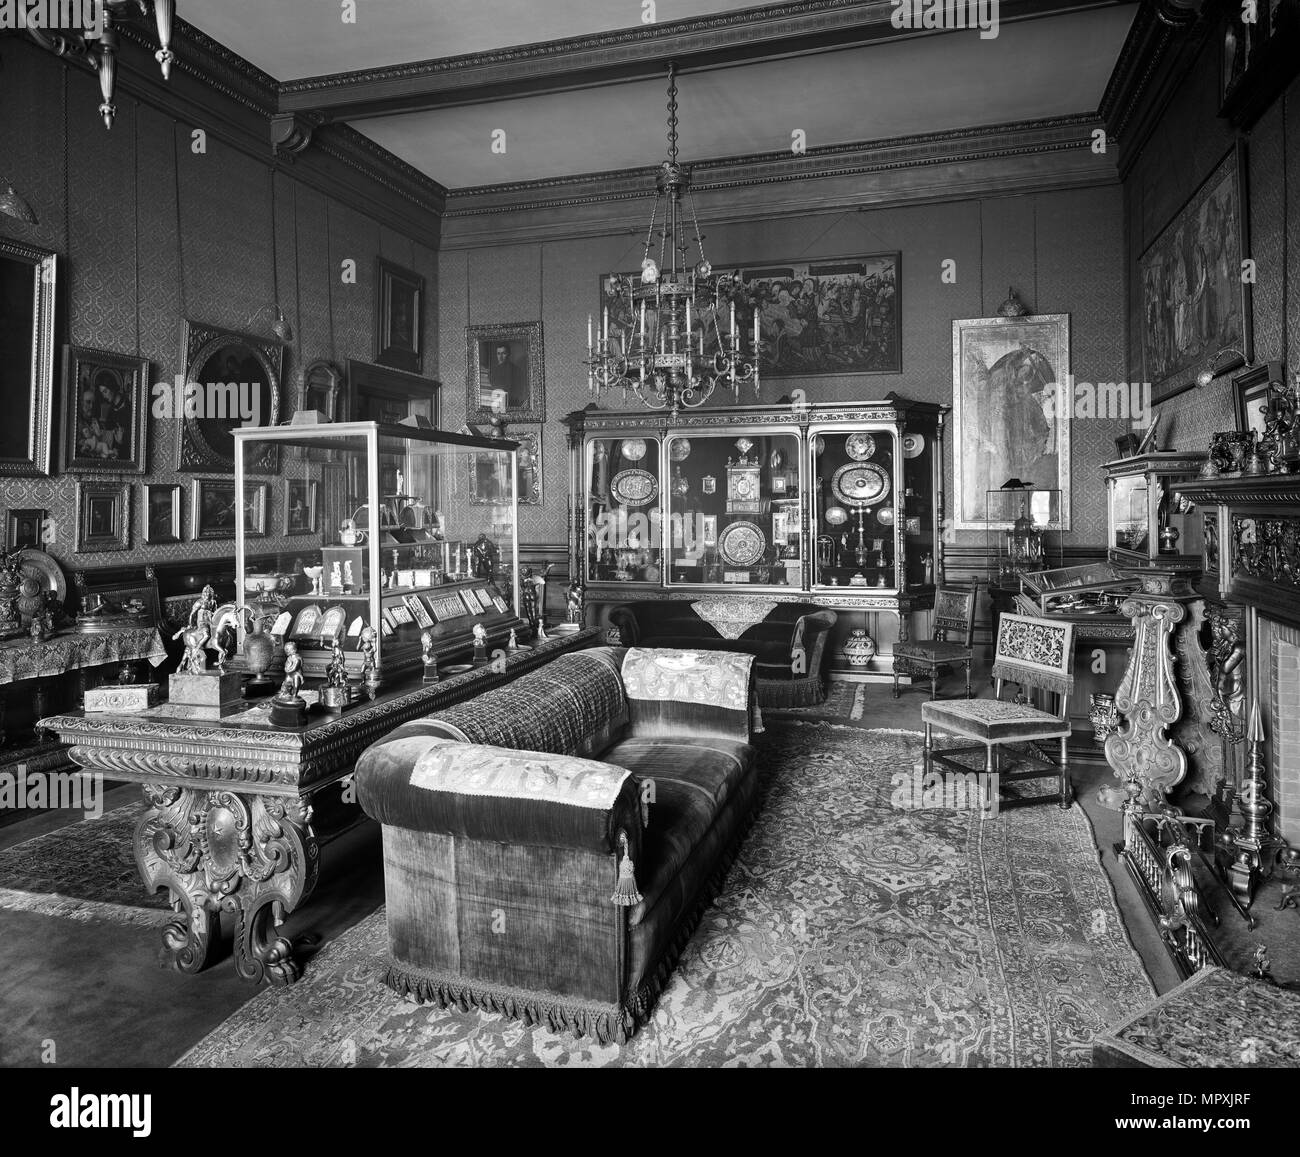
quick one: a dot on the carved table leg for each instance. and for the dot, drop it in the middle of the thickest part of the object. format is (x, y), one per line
(255, 855)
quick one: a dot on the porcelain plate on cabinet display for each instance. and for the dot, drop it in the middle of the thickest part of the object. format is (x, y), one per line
(634, 487)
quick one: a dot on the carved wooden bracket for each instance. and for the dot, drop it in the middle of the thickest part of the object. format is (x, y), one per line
(290, 133)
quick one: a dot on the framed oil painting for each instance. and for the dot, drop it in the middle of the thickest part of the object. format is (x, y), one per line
(1195, 305)
(1008, 418)
(103, 516)
(487, 486)
(834, 316)
(25, 529)
(27, 301)
(235, 381)
(301, 506)
(1251, 393)
(399, 317)
(161, 512)
(212, 513)
(106, 402)
(505, 371)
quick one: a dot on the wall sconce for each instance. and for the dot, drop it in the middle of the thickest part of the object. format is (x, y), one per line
(1221, 363)
(12, 205)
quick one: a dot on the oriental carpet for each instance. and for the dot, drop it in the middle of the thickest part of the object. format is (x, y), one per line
(855, 928)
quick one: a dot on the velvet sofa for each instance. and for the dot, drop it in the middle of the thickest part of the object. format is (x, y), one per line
(787, 640)
(550, 846)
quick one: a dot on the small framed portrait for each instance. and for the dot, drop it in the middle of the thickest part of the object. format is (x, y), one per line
(161, 513)
(399, 315)
(212, 508)
(505, 371)
(105, 404)
(103, 516)
(25, 529)
(709, 529)
(1251, 390)
(489, 472)
(301, 513)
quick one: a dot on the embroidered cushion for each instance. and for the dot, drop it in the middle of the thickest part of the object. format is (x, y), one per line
(993, 719)
(677, 693)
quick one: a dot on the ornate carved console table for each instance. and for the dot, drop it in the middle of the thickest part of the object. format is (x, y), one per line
(239, 811)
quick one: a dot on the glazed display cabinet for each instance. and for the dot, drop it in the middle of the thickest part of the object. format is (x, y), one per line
(836, 504)
(378, 532)
(1150, 526)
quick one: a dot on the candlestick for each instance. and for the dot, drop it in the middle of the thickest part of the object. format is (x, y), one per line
(605, 327)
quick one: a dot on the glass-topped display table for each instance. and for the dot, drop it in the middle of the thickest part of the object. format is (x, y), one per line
(835, 504)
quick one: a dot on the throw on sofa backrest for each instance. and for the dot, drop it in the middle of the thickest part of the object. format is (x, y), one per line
(679, 694)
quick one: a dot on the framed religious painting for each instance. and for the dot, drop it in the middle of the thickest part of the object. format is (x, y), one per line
(505, 371)
(231, 380)
(1196, 304)
(399, 317)
(103, 516)
(838, 315)
(1254, 405)
(27, 353)
(301, 506)
(1007, 411)
(106, 402)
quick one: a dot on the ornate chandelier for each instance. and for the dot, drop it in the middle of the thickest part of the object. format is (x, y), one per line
(666, 343)
(100, 52)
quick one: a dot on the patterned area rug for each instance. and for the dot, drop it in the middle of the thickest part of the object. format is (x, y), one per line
(81, 870)
(852, 931)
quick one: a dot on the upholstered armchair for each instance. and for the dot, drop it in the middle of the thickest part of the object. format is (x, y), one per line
(1037, 654)
(949, 644)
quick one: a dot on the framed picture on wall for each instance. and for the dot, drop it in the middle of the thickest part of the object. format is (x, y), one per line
(238, 376)
(1196, 307)
(838, 315)
(103, 516)
(505, 371)
(161, 512)
(1251, 394)
(27, 299)
(301, 509)
(399, 317)
(488, 488)
(1007, 413)
(212, 509)
(105, 405)
(25, 529)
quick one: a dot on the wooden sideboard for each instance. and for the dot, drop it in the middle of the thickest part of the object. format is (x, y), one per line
(238, 811)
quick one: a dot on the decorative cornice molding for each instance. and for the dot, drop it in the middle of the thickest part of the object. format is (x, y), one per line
(1019, 139)
(620, 55)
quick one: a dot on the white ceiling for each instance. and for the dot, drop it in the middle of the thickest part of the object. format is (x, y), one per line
(1036, 68)
(1053, 66)
(290, 39)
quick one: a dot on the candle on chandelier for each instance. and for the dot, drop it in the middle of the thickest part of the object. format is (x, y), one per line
(756, 338)
(604, 332)
(588, 335)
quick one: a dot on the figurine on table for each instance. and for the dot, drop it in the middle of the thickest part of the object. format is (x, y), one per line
(197, 631)
(485, 555)
(480, 643)
(369, 667)
(513, 643)
(430, 661)
(336, 674)
(575, 598)
(292, 672)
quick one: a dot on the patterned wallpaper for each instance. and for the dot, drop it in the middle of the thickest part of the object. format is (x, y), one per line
(107, 204)
(1187, 144)
(1063, 253)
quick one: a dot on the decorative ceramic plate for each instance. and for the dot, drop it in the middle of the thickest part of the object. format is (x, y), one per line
(860, 447)
(837, 515)
(680, 450)
(634, 487)
(885, 516)
(633, 449)
(457, 668)
(40, 566)
(741, 544)
(861, 484)
(913, 444)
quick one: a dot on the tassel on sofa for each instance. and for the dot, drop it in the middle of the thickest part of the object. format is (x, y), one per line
(625, 891)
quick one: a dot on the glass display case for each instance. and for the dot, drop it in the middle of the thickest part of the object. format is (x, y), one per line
(374, 540)
(1093, 588)
(1019, 522)
(834, 503)
(1148, 525)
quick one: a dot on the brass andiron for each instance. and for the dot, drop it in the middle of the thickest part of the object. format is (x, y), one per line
(1253, 849)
